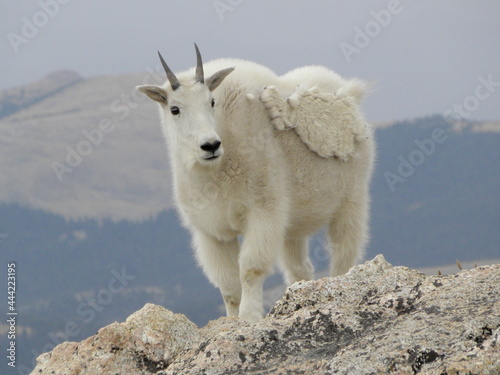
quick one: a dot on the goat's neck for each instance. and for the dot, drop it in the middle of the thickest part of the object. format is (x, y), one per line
(198, 176)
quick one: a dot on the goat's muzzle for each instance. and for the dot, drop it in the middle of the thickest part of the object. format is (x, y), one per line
(212, 149)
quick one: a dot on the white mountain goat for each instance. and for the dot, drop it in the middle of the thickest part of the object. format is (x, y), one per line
(238, 171)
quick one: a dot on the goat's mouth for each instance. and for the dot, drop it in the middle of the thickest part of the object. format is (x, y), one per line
(212, 157)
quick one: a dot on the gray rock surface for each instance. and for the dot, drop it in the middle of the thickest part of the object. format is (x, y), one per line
(376, 319)
(145, 343)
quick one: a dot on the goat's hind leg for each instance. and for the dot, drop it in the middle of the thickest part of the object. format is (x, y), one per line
(348, 234)
(295, 260)
(219, 261)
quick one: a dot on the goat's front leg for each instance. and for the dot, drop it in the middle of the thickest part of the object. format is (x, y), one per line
(263, 241)
(219, 261)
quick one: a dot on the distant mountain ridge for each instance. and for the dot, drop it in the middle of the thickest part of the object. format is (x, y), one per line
(17, 98)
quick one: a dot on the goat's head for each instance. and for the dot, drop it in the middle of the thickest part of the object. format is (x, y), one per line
(188, 114)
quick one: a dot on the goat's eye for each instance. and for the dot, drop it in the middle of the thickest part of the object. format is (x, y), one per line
(212, 103)
(174, 110)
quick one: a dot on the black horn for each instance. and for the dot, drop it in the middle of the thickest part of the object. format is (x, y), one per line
(199, 66)
(174, 82)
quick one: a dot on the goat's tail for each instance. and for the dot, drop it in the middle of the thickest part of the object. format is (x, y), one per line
(356, 89)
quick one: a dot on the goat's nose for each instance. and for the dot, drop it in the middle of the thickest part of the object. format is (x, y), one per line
(210, 146)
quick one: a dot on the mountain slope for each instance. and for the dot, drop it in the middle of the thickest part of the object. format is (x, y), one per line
(14, 99)
(89, 150)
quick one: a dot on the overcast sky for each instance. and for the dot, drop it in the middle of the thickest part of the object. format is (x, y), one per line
(426, 56)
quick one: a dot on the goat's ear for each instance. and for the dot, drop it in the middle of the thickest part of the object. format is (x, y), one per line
(216, 79)
(156, 93)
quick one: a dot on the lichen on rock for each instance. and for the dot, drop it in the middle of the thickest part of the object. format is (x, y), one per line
(375, 319)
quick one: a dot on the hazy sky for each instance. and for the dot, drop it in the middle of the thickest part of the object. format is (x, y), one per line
(427, 56)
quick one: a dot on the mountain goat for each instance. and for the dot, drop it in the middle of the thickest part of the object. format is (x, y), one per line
(240, 168)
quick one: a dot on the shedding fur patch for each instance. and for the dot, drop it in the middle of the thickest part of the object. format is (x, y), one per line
(327, 123)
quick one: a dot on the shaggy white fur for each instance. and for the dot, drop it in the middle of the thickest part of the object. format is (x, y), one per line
(235, 174)
(327, 123)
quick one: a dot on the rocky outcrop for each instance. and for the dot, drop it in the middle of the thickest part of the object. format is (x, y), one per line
(375, 319)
